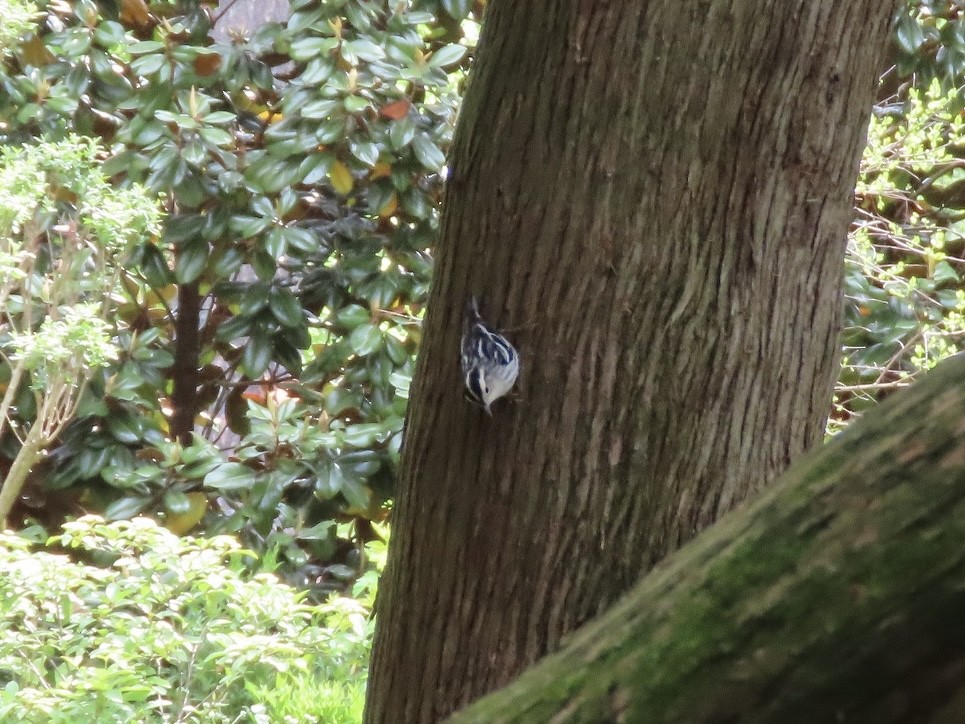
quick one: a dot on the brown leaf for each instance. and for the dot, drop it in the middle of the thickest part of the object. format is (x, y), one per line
(134, 13)
(396, 110)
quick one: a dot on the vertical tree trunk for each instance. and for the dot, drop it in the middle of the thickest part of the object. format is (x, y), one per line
(185, 373)
(656, 197)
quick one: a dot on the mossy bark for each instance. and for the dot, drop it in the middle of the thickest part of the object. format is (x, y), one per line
(652, 198)
(838, 595)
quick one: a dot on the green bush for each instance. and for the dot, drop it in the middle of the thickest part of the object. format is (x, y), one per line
(267, 335)
(16, 19)
(135, 623)
(929, 44)
(905, 308)
(65, 235)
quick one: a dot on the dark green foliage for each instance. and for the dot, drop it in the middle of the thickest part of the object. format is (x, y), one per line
(930, 41)
(271, 329)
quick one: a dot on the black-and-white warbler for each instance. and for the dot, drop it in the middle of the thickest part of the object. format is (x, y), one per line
(490, 364)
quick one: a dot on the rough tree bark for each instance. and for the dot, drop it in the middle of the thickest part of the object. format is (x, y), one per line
(655, 197)
(837, 595)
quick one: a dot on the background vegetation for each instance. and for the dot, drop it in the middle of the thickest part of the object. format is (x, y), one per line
(129, 622)
(265, 330)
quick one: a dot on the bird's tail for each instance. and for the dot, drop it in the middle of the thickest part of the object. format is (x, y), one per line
(472, 310)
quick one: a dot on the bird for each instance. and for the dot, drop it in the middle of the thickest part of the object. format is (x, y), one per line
(490, 363)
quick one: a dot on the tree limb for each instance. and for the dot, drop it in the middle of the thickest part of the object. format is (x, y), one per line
(838, 594)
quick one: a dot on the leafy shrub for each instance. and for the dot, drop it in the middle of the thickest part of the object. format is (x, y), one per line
(65, 233)
(905, 307)
(147, 625)
(301, 171)
(17, 20)
(929, 44)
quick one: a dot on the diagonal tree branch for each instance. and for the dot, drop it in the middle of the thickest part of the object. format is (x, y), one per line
(836, 595)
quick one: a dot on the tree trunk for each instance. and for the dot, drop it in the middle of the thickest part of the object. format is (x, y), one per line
(836, 596)
(656, 200)
(185, 372)
(28, 456)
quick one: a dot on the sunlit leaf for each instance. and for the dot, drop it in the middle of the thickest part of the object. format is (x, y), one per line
(446, 55)
(341, 178)
(181, 523)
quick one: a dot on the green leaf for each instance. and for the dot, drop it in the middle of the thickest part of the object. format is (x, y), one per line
(366, 339)
(217, 136)
(125, 428)
(446, 55)
(275, 243)
(350, 488)
(219, 117)
(249, 225)
(909, 33)
(401, 384)
(148, 64)
(254, 299)
(352, 316)
(126, 508)
(355, 493)
(402, 132)
(364, 50)
(322, 108)
(945, 272)
(366, 152)
(176, 502)
(192, 256)
(232, 329)
(184, 227)
(356, 104)
(194, 152)
(326, 530)
(145, 46)
(62, 104)
(230, 476)
(109, 33)
(300, 21)
(457, 9)
(428, 153)
(256, 355)
(363, 435)
(228, 263)
(301, 239)
(361, 462)
(317, 71)
(308, 48)
(331, 131)
(315, 167)
(285, 307)
(264, 264)
(154, 267)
